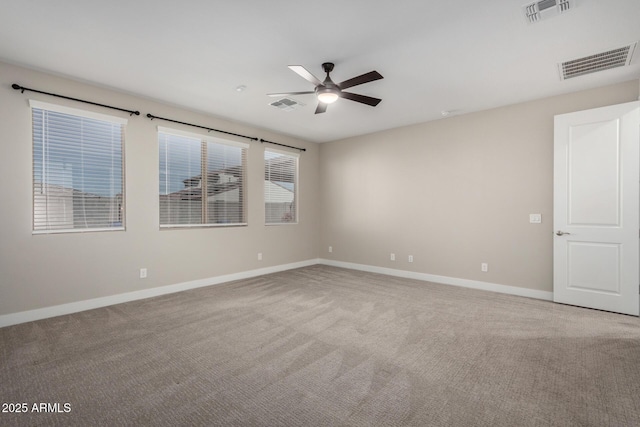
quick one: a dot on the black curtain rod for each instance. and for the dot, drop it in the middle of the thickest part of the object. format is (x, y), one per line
(22, 88)
(151, 116)
(282, 145)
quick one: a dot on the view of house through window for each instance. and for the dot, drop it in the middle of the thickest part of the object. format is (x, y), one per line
(280, 187)
(186, 199)
(78, 180)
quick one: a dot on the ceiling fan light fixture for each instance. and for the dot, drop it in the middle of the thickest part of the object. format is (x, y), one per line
(327, 96)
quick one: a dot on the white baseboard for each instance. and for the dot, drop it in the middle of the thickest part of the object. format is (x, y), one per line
(465, 283)
(74, 307)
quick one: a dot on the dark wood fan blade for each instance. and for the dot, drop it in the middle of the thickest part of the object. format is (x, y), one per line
(360, 98)
(364, 78)
(290, 93)
(305, 74)
(322, 107)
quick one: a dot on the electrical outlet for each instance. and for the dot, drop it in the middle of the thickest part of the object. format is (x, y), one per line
(410, 258)
(143, 273)
(330, 249)
(259, 256)
(392, 257)
(484, 267)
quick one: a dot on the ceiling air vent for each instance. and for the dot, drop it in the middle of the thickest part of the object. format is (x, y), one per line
(543, 9)
(598, 62)
(287, 104)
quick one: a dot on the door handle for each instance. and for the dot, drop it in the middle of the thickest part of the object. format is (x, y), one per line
(561, 233)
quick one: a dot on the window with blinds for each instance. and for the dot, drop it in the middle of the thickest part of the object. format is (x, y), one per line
(202, 180)
(78, 170)
(280, 187)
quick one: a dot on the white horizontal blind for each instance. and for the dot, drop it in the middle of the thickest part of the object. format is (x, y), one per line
(78, 173)
(280, 187)
(225, 184)
(186, 199)
(180, 187)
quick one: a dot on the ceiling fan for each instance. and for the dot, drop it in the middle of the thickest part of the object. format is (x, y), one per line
(329, 92)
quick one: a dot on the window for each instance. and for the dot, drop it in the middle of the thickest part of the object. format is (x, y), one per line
(186, 199)
(78, 173)
(280, 187)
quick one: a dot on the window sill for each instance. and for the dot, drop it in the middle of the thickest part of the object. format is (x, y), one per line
(191, 226)
(77, 230)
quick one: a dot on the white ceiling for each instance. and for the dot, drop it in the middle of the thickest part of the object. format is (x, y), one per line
(461, 56)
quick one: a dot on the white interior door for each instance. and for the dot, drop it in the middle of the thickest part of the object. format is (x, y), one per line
(596, 208)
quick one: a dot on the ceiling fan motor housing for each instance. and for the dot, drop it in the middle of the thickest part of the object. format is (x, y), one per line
(328, 86)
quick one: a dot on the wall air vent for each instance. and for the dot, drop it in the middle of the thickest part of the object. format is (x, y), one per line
(287, 104)
(598, 62)
(543, 9)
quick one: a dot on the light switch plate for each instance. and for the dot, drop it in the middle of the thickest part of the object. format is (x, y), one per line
(535, 218)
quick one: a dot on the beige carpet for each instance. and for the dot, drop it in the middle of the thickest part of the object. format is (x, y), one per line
(323, 346)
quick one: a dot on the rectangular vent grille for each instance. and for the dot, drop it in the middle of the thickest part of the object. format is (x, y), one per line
(546, 4)
(598, 62)
(286, 104)
(535, 12)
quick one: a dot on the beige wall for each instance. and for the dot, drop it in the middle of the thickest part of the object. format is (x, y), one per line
(453, 193)
(46, 270)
